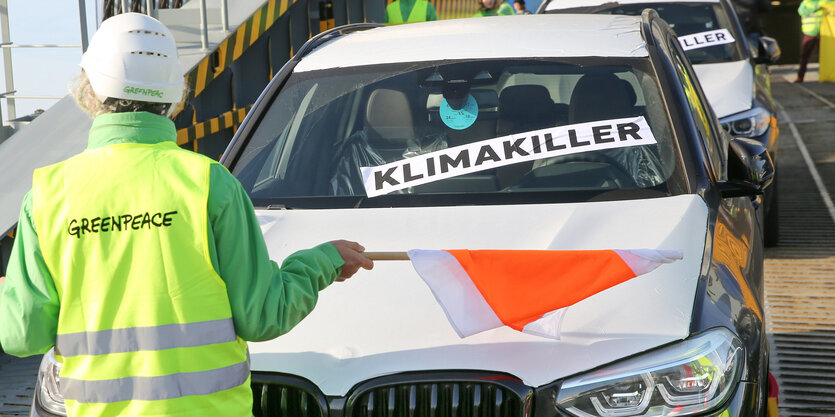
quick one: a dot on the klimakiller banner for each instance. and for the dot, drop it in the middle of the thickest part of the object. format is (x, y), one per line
(506, 150)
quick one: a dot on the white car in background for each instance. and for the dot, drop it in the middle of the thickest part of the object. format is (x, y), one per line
(730, 65)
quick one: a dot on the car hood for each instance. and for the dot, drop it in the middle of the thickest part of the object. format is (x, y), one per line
(386, 320)
(729, 86)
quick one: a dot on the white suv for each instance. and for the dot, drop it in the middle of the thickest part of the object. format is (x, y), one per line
(476, 134)
(730, 65)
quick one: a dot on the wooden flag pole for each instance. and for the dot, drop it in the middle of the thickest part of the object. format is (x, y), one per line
(387, 256)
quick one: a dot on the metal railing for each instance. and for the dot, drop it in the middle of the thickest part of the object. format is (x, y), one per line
(114, 7)
(6, 44)
(149, 7)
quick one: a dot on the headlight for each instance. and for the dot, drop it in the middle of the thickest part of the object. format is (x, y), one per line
(750, 123)
(689, 377)
(49, 396)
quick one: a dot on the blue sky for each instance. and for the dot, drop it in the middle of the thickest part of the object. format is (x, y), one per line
(44, 71)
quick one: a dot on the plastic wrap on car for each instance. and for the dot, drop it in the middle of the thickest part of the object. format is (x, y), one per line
(642, 163)
(430, 143)
(356, 152)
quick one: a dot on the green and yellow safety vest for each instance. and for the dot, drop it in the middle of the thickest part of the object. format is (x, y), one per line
(811, 24)
(418, 13)
(504, 9)
(145, 326)
(811, 16)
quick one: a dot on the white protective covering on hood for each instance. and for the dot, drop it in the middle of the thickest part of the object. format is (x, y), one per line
(386, 321)
(570, 4)
(729, 86)
(534, 36)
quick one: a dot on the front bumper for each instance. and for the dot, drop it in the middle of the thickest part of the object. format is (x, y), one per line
(419, 395)
(37, 410)
(745, 403)
(461, 393)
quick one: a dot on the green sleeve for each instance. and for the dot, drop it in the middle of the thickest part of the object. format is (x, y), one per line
(430, 13)
(505, 10)
(267, 301)
(807, 7)
(29, 303)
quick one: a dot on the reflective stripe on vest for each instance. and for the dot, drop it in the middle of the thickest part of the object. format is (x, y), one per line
(811, 25)
(155, 388)
(134, 339)
(145, 326)
(418, 13)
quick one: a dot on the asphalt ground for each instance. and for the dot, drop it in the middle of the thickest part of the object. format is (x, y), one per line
(800, 270)
(17, 384)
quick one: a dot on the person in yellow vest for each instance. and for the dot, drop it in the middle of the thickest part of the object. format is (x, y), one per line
(811, 16)
(143, 263)
(409, 11)
(494, 8)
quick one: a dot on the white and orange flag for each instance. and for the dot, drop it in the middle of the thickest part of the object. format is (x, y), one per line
(527, 290)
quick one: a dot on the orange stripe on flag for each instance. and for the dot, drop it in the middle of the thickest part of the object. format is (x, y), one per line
(559, 279)
(527, 290)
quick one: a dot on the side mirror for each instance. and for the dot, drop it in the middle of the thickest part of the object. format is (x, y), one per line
(750, 169)
(768, 50)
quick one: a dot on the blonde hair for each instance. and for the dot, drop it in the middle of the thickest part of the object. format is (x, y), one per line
(483, 8)
(85, 97)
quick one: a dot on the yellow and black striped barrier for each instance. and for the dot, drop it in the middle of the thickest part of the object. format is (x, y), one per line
(326, 20)
(247, 34)
(455, 9)
(197, 131)
(234, 46)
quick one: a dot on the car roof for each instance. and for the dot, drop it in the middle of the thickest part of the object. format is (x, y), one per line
(528, 36)
(570, 4)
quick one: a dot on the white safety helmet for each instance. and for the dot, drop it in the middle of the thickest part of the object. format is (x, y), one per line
(133, 56)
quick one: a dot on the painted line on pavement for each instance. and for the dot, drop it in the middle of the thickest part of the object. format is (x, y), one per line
(807, 121)
(816, 95)
(808, 159)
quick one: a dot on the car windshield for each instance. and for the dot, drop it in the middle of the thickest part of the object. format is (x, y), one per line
(466, 132)
(686, 19)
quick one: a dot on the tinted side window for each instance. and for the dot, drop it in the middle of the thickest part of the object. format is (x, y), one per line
(697, 103)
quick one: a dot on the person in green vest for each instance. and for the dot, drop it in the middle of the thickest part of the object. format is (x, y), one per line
(811, 16)
(409, 11)
(143, 263)
(494, 8)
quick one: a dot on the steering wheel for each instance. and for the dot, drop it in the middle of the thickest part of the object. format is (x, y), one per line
(622, 178)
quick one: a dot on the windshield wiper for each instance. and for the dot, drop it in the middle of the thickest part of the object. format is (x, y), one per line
(587, 9)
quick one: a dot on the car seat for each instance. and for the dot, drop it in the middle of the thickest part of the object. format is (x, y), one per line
(600, 97)
(388, 123)
(524, 108)
(603, 96)
(386, 133)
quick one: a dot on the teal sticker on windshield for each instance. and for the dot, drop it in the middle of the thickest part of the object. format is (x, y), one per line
(462, 118)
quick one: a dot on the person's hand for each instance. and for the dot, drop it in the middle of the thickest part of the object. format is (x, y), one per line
(351, 253)
(2, 279)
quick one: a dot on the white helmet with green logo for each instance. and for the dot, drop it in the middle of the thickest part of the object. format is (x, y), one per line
(133, 56)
